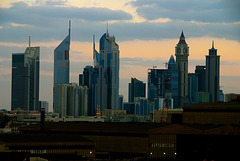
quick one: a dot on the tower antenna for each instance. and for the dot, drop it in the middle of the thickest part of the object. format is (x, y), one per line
(29, 41)
(69, 27)
(213, 44)
(107, 28)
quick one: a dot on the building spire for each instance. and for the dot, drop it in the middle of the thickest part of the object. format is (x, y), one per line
(29, 41)
(213, 44)
(182, 35)
(107, 29)
(69, 27)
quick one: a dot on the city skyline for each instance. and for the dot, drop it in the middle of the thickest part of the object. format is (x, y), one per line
(153, 37)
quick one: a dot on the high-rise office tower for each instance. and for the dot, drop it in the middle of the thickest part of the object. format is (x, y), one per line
(109, 69)
(20, 83)
(61, 60)
(212, 74)
(25, 79)
(192, 87)
(200, 71)
(32, 60)
(89, 78)
(156, 82)
(172, 76)
(182, 53)
(136, 89)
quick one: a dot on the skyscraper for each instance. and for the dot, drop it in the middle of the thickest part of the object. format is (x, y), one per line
(61, 60)
(200, 71)
(172, 76)
(109, 68)
(20, 83)
(192, 87)
(212, 74)
(136, 89)
(25, 79)
(182, 53)
(33, 62)
(156, 82)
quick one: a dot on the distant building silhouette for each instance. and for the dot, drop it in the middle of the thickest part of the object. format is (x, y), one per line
(156, 78)
(192, 87)
(213, 74)
(25, 80)
(200, 71)
(182, 53)
(164, 83)
(136, 89)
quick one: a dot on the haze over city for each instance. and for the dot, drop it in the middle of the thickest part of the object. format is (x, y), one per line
(146, 32)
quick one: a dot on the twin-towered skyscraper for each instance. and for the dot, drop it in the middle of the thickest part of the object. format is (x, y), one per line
(102, 79)
(25, 79)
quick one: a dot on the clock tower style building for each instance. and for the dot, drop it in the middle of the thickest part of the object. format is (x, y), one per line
(182, 53)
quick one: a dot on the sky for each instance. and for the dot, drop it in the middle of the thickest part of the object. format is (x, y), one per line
(146, 31)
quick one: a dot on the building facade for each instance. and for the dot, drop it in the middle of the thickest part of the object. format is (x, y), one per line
(108, 71)
(71, 100)
(136, 89)
(182, 53)
(213, 74)
(192, 87)
(200, 71)
(61, 61)
(25, 80)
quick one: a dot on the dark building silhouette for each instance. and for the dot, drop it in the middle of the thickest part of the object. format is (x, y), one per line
(213, 74)
(192, 87)
(136, 89)
(200, 71)
(182, 53)
(164, 83)
(20, 83)
(89, 79)
(156, 79)
(25, 80)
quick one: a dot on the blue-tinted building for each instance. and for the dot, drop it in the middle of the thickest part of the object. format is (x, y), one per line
(61, 61)
(120, 102)
(136, 89)
(108, 64)
(89, 78)
(25, 80)
(172, 76)
(192, 87)
(163, 83)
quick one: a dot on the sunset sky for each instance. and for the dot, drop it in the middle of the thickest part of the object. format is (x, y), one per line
(146, 31)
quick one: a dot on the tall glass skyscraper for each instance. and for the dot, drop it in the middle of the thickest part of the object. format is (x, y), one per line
(61, 60)
(109, 69)
(25, 80)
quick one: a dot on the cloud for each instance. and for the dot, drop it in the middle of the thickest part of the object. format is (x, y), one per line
(47, 15)
(200, 11)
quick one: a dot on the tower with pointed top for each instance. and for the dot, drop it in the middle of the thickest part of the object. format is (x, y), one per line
(212, 74)
(109, 69)
(182, 53)
(61, 60)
